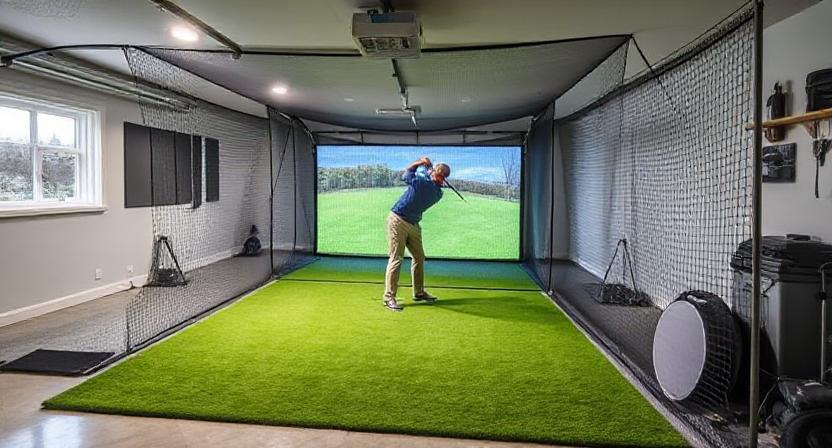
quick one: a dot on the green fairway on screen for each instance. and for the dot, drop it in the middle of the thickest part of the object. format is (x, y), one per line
(358, 185)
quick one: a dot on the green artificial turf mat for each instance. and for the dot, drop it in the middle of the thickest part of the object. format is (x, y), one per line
(438, 273)
(502, 365)
(483, 227)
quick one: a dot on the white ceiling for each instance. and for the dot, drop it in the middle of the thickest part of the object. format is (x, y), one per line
(660, 26)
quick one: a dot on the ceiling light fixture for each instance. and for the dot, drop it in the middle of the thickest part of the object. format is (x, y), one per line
(349, 99)
(465, 99)
(280, 90)
(184, 33)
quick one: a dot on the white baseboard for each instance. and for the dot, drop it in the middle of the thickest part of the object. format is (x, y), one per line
(39, 309)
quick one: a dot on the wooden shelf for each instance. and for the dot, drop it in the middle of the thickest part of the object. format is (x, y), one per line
(808, 117)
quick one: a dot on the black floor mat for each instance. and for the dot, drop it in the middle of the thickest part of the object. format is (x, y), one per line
(57, 362)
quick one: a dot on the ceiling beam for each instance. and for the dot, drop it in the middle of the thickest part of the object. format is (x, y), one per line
(173, 8)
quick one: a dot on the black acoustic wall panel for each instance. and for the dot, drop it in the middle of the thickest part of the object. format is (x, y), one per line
(182, 143)
(196, 166)
(138, 190)
(163, 166)
(212, 170)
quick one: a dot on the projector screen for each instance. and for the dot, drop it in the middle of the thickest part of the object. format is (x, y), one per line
(358, 185)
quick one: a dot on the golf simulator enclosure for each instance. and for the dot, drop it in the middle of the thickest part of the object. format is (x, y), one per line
(555, 252)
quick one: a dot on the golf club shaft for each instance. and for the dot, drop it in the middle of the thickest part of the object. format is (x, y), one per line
(430, 166)
(455, 190)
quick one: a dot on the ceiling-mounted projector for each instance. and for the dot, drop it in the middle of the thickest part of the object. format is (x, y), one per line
(387, 35)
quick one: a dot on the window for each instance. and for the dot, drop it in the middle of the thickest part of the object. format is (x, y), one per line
(48, 156)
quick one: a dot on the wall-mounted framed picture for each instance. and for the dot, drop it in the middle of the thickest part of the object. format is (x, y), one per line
(778, 163)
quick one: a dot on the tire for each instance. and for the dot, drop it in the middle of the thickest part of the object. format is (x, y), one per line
(812, 429)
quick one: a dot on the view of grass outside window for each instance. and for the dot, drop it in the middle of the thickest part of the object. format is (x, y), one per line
(358, 185)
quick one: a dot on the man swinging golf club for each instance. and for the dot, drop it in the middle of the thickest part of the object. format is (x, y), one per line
(424, 188)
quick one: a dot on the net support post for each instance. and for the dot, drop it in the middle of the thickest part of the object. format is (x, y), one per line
(550, 230)
(756, 231)
(270, 116)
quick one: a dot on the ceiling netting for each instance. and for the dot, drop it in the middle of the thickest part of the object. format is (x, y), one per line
(452, 89)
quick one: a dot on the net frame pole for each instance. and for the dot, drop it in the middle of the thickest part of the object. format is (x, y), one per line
(522, 193)
(756, 232)
(271, 192)
(551, 231)
(294, 188)
(315, 197)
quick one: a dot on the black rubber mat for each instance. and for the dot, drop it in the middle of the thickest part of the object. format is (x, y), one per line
(57, 362)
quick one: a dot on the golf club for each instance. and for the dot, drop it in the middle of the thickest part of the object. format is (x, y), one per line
(445, 181)
(455, 190)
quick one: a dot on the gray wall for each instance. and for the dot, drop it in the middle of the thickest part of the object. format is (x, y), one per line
(47, 257)
(793, 48)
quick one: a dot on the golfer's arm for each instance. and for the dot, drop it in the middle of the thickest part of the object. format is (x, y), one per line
(414, 165)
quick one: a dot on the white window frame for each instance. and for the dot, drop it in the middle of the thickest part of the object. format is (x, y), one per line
(88, 196)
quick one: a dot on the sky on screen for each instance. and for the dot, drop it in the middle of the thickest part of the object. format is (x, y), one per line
(481, 163)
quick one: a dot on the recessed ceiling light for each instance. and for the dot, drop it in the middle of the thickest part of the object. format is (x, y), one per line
(184, 33)
(349, 100)
(465, 99)
(280, 90)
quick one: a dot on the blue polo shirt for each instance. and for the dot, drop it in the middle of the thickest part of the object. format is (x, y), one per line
(422, 192)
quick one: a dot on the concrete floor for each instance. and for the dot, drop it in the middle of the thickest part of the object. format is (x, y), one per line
(101, 325)
(24, 425)
(97, 325)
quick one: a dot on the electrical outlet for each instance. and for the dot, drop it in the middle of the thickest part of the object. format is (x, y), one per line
(99, 273)
(129, 269)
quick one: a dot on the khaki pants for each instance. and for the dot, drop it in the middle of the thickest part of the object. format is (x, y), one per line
(400, 235)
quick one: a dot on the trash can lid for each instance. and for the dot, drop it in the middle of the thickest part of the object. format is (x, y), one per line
(783, 256)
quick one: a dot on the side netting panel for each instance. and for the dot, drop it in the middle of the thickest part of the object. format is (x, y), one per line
(658, 189)
(666, 165)
(537, 210)
(198, 261)
(545, 228)
(294, 191)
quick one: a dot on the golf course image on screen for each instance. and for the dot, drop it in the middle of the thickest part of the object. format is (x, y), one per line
(358, 185)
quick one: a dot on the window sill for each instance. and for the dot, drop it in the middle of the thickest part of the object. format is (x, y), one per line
(43, 209)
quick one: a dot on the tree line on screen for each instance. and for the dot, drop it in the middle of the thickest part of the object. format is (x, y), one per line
(381, 176)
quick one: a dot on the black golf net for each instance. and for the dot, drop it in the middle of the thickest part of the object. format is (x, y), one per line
(264, 166)
(202, 237)
(294, 191)
(233, 206)
(656, 188)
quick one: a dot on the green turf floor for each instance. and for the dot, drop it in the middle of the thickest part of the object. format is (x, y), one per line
(490, 364)
(484, 227)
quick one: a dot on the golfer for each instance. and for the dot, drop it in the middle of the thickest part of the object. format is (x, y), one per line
(423, 190)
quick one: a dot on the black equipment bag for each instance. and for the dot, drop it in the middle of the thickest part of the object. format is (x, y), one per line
(819, 90)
